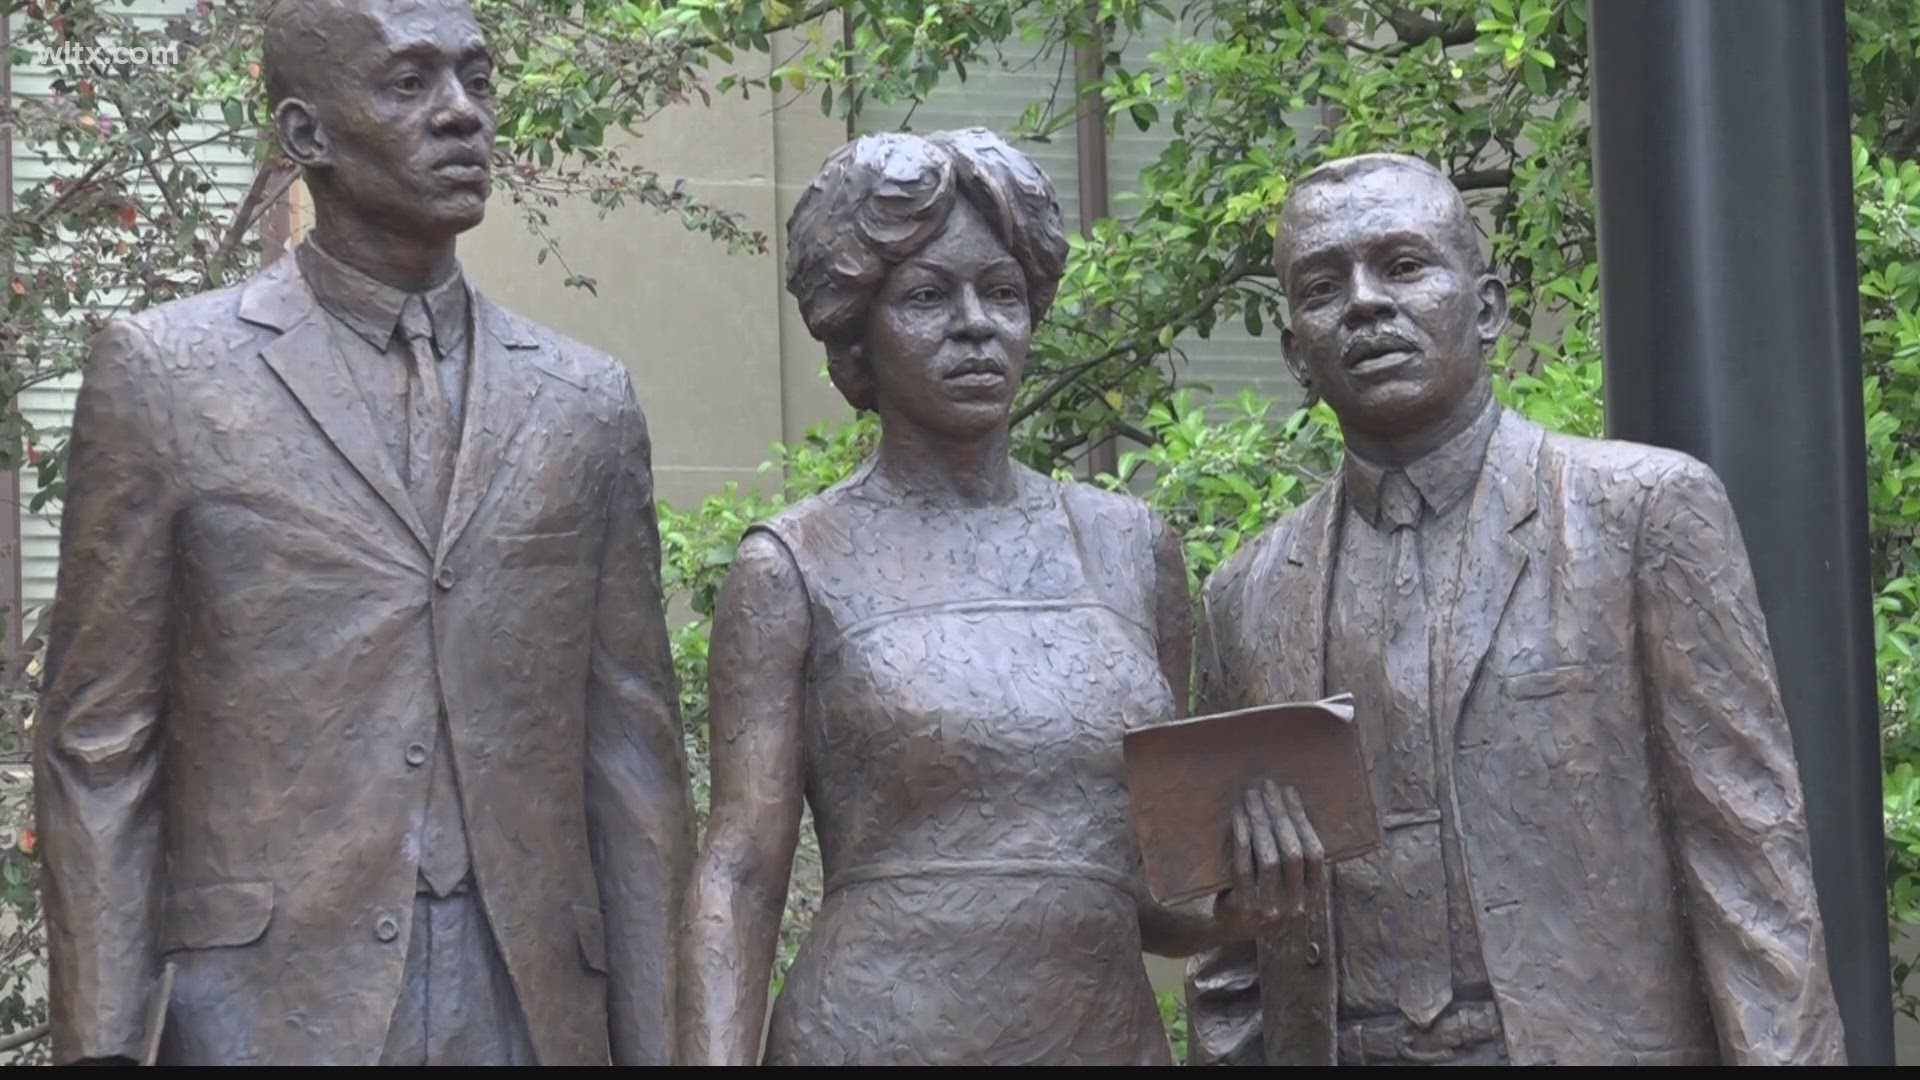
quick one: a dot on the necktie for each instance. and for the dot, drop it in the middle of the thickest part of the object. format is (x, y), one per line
(1425, 948)
(444, 856)
(429, 418)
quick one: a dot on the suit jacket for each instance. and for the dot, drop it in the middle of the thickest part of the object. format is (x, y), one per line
(1624, 778)
(251, 634)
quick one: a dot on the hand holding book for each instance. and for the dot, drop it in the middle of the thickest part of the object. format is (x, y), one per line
(1278, 861)
(1220, 801)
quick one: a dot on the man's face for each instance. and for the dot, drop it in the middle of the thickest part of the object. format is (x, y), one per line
(1388, 322)
(406, 116)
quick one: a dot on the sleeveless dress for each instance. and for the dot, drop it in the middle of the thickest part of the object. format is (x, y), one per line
(965, 702)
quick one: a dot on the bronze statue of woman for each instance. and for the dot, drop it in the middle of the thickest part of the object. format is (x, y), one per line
(940, 655)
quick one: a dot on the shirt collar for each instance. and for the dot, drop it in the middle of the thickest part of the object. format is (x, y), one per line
(1443, 477)
(371, 308)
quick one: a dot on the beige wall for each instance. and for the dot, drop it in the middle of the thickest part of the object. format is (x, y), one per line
(720, 360)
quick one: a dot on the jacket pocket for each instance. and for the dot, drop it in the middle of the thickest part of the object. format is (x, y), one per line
(557, 547)
(1551, 682)
(593, 937)
(212, 916)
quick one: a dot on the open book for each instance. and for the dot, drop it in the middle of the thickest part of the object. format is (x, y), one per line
(1185, 779)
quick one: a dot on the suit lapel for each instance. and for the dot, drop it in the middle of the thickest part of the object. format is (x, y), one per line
(1300, 599)
(1505, 497)
(500, 391)
(305, 359)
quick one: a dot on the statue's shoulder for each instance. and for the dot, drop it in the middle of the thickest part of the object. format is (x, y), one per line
(200, 316)
(199, 312)
(204, 332)
(1622, 475)
(554, 352)
(1099, 508)
(1257, 560)
(831, 516)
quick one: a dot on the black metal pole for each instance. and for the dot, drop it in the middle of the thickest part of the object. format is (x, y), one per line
(1729, 295)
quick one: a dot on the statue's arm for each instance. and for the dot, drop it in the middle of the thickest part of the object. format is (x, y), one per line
(1187, 928)
(756, 682)
(97, 735)
(639, 803)
(1173, 614)
(1731, 786)
(1223, 982)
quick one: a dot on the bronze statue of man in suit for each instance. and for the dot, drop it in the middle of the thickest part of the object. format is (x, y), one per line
(1596, 850)
(359, 712)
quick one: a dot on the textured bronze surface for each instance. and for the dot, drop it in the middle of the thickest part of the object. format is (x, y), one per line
(270, 632)
(1607, 854)
(940, 656)
(1185, 780)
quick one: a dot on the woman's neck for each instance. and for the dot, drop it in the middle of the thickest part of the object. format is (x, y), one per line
(947, 471)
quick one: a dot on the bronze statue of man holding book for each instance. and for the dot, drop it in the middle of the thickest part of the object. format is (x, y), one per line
(1595, 848)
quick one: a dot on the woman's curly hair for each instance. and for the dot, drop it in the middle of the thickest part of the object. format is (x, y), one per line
(879, 199)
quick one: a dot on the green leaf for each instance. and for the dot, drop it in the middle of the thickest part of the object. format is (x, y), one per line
(1535, 76)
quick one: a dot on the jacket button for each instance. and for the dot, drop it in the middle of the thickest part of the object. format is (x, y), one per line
(1313, 954)
(386, 929)
(416, 755)
(444, 578)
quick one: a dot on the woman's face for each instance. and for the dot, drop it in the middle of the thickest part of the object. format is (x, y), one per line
(947, 335)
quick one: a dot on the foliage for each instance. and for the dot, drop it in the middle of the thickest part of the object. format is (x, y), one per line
(1220, 479)
(128, 211)
(1887, 197)
(1173, 1014)
(23, 939)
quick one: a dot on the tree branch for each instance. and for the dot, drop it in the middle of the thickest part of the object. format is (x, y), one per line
(1144, 438)
(269, 183)
(1416, 30)
(67, 195)
(21, 1038)
(98, 174)
(807, 15)
(1482, 179)
(166, 193)
(1909, 140)
(1067, 378)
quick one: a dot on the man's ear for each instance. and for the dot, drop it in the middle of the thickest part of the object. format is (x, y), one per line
(1493, 309)
(301, 136)
(1294, 363)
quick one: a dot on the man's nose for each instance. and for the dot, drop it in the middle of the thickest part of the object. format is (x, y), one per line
(1367, 300)
(456, 112)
